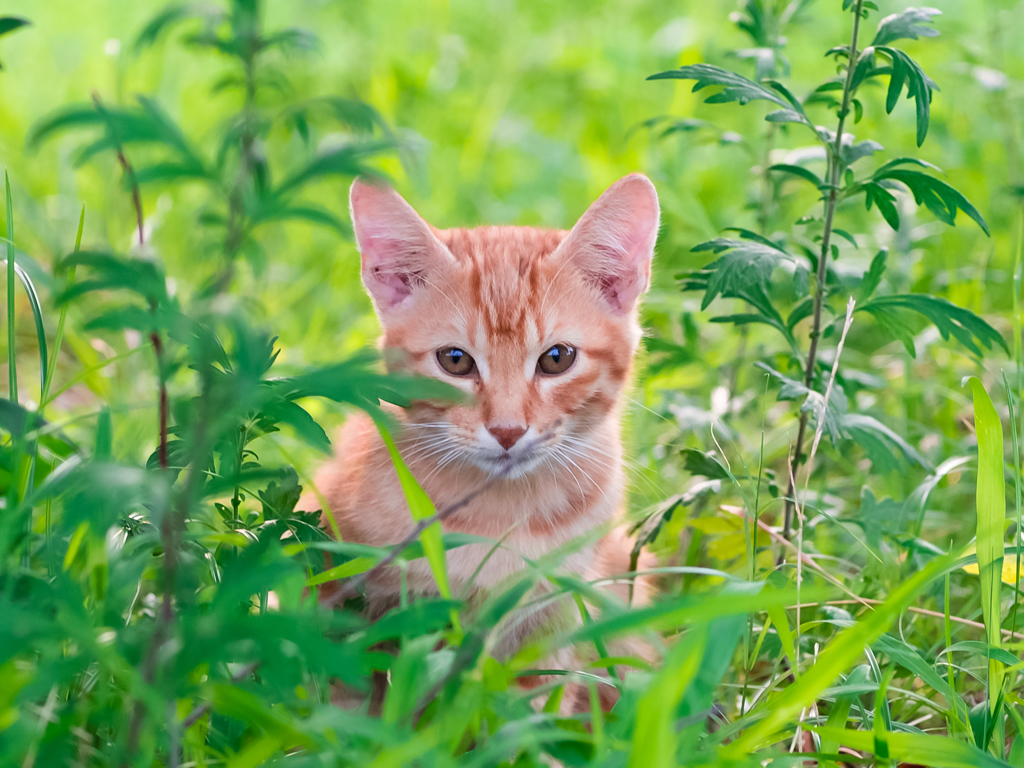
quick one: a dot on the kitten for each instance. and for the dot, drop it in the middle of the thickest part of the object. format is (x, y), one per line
(539, 328)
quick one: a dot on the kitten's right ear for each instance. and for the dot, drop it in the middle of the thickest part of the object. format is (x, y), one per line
(396, 245)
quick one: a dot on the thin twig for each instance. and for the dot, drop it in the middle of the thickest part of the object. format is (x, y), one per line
(351, 587)
(835, 171)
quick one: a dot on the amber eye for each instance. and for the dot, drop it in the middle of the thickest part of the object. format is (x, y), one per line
(455, 361)
(556, 360)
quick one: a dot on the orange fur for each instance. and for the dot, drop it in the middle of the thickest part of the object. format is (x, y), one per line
(504, 295)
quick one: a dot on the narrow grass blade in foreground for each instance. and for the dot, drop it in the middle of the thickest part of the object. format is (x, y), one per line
(839, 656)
(421, 507)
(991, 502)
(918, 748)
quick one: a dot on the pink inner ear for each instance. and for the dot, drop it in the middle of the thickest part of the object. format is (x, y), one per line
(396, 245)
(613, 242)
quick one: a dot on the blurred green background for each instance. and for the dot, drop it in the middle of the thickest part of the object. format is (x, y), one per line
(522, 113)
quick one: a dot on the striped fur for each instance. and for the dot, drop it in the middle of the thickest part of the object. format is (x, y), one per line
(504, 295)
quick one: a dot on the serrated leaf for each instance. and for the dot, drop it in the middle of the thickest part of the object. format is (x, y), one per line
(951, 320)
(110, 271)
(744, 271)
(938, 196)
(878, 195)
(735, 87)
(906, 71)
(814, 401)
(907, 25)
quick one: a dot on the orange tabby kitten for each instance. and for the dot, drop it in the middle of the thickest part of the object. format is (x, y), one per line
(540, 328)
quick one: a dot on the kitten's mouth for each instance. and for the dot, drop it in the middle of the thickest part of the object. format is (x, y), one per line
(508, 464)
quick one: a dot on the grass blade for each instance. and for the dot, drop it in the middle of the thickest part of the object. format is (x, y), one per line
(841, 653)
(420, 506)
(37, 316)
(12, 362)
(48, 381)
(917, 748)
(655, 739)
(991, 503)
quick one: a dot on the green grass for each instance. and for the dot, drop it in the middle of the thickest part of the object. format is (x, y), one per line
(138, 625)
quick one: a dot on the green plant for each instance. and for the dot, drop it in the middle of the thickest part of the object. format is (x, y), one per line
(747, 267)
(165, 611)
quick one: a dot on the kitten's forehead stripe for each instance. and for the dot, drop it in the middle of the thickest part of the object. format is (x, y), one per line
(505, 268)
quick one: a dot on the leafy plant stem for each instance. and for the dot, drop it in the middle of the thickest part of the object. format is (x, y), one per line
(236, 227)
(835, 167)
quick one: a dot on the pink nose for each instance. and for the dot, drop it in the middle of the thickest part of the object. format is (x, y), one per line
(506, 436)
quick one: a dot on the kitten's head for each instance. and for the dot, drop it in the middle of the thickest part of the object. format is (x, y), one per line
(539, 326)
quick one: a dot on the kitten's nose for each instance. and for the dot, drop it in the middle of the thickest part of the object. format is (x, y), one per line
(507, 436)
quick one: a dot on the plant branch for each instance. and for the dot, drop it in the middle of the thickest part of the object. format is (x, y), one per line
(165, 625)
(835, 167)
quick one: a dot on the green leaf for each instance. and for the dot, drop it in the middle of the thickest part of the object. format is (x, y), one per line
(991, 520)
(356, 381)
(874, 275)
(906, 26)
(655, 737)
(884, 199)
(346, 160)
(850, 153)
(800, 312)
(986, 650)
(939, 197)
(951, 320)
(420, 507)
(37, 316)
(704, 464)
(161, 23)
(743, 272)
(287, 412)
(814, 402)
(738, 88)
(918, 748)
(314, 214)
(110, 271)
(799, 171)
(878, 441)
(906, 71)
(846, 236)
(908, 658)
(10, 23)
(836, 657)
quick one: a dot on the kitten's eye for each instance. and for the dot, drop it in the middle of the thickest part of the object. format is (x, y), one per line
(556, 360)
(455, 361)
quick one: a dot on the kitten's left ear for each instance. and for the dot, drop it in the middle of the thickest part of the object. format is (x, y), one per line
(612, 244)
